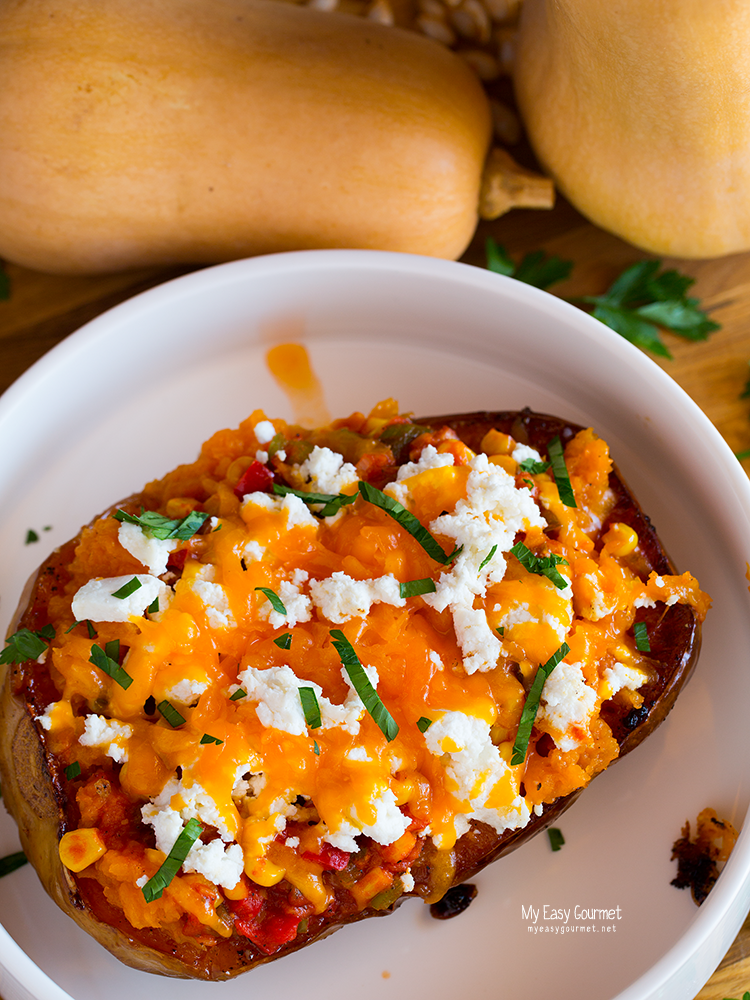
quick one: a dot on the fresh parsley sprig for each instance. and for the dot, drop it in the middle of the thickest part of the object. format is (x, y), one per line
(162, 527)
(361, 683)
(638, 304)
(541, 565)
(531, 705)
(173, 862)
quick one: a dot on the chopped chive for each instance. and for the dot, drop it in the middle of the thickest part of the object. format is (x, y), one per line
(423, 724)
(332, 502)
(283, 641)
(556, 839)
(207, 738)
(26, 645)
(408, 522)
(128, 588)
(239, 693)
(10, 862)
(153, 607)
(173, 862)
(73, 770)
(90, 629)
(171, 714)
(316, 748)
(164, 527)
(108, 664)
(541, 565)
(273, 597)
(361, 683)
(533, 467)
(31, 536)
(412, 588)
(487, 558)
(531, 705)
(642, 642)
(500, 630)
(310, 707)
(560, 472)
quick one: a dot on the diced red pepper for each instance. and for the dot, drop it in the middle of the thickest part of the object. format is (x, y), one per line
(275, 930)
(176, 560)
(256, 478)
(249, 908)
(331, 859)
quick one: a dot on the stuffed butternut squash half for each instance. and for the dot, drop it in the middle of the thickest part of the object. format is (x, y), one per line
(317, 672)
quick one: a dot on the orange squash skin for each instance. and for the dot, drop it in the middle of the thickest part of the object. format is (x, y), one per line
(136, 133)
(641, 114)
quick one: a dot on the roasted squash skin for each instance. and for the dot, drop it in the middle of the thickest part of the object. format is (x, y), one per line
(135, 133)
(35, 789)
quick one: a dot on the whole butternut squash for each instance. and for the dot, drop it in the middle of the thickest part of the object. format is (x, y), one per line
(641, 113)
(139, 132)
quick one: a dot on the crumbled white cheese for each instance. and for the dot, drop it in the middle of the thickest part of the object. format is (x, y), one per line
(325, 471)
(358, 753)
(292, 842)
(340, 597)
(390, 824)
(219, 864)
(522, 453)
(480, 645)
(261, 456)
(215, 603)
(567, 700)
(407, 881)
(298, 605)
(430, 458)
(435, 658)
(276, 690)
(473, 767)
(251, 551)
(47, 720)
(95, 600)
(109, 734)
(264, 431)
(296, 510)
(152, 552)
(186, 691)
(622, 676)
(140, 882)
(522, 613)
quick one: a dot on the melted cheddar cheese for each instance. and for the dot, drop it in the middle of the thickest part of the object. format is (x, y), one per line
(225, 629)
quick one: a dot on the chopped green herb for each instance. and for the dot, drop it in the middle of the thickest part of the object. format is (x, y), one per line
(424, 724)
(412, 588)
(273, 597)
(560, 472)
(556, 839)
(640, 631)
(164, 527)
(128, 588)
(408, 522)
(531, 705)
(10, 862)
(398, 437)
(500, 630)
(541, 565)
(487, 558)
(283, 641)
(361, 683)
(537, 268)
(641, 300)
(533, 467)
(73, 770)
(153, 607)
(275, 444)
(156, 885)
(239, 693)
(171, 714)
(333, 502)
(31, 536)
(26, 645)
(108, 663)
(207, 738)
(316, 748)
(310, 707)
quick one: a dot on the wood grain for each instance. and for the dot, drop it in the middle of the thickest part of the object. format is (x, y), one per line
(44, 309)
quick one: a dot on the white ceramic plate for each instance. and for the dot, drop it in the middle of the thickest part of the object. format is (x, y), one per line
(139, 388)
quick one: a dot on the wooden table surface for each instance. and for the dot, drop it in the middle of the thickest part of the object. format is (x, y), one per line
(43, 309)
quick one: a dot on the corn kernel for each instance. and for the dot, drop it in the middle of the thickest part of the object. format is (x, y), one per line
(620, 540)
(81, 848)
(505, 462)
(496, 443)
(462, 453)
(179, 507)
(237, 467)
(505, 750)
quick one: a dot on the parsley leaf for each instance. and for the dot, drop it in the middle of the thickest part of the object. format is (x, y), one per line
(536, 268)
(26, 645)
(162, 527)
(641, 300)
